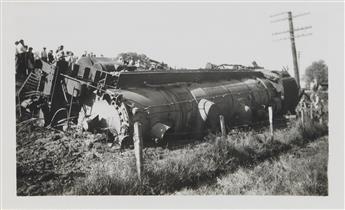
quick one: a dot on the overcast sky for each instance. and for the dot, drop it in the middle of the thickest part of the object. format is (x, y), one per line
(180, 34)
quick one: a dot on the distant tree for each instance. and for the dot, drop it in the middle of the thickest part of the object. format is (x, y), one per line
(317, 70)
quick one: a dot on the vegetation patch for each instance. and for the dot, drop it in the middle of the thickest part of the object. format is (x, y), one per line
(167, 171)
(302, 171)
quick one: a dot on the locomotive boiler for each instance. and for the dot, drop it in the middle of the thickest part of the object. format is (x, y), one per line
(176, 102)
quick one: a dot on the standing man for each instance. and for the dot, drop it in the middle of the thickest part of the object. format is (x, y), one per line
(44, 55)
(50, 57)
(38, 64)
(25, 61)
(69, 58)
(60, 54)
(20, 59)
(30, 61)
(16, 58)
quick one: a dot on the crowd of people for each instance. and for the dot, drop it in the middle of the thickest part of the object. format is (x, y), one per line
(27, 61)
(314, 102)
(140, 62)
(89, 54)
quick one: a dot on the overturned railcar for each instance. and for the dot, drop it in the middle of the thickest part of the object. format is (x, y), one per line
(177, 102)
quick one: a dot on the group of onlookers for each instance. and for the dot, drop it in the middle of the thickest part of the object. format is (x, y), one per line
(143, 63)
(27, 61)
(89, 54)
(47, 56)
(69, 56)
(313, 102)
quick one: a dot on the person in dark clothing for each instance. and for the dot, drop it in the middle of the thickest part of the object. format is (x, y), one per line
(50, 57)
(38, 64)
(17, 58)
(30, 61)
(60, 48)
(25, 61)
(20, 59)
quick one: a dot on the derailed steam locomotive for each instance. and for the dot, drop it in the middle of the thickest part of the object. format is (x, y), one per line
(168, 103)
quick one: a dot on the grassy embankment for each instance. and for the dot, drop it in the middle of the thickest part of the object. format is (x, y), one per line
(302, 171)
(255, 164)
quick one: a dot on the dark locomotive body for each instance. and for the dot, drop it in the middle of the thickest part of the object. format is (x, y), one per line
(176, 102)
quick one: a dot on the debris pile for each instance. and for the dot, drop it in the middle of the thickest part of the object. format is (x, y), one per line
(50, 161)
(141, 61)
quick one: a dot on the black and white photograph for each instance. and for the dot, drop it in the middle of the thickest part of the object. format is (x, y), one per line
(180, 99)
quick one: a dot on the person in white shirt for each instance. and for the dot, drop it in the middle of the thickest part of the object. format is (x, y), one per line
(20, 47)
(73, 57)
(131, 62)
(44, 55)
(137, 63)
(69, 58)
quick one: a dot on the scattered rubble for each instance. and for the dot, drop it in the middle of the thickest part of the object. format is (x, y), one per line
(49, 161)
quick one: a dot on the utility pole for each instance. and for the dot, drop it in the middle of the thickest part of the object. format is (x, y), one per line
(292, 37)
(299, 59)
(293, 49)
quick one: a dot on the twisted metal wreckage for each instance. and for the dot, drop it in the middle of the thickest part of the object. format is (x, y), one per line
(100, 97)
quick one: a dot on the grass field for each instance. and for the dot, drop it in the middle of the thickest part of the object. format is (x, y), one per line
(293, 163)
(302, 171)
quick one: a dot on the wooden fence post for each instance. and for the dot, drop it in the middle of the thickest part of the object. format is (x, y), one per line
(138, 148)
(311, 111)
(222, 125)
(70, 109)
(270, 115)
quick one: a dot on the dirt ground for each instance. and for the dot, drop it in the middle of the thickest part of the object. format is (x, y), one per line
(49, 161)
